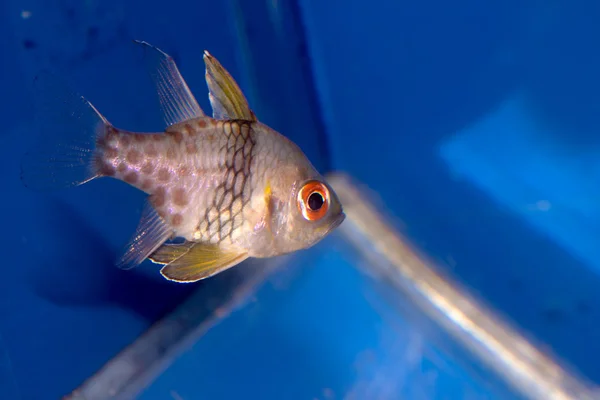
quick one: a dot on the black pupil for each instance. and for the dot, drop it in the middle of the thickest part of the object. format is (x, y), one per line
(315, 201)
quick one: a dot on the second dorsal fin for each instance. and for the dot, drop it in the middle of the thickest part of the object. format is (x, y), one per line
(226, 98)
(176, 100)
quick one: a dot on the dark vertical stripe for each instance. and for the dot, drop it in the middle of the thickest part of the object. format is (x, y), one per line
(295, 15)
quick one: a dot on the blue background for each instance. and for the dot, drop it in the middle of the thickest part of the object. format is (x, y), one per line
(476, 122)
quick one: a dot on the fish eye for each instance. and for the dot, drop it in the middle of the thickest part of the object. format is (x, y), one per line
(313, 200)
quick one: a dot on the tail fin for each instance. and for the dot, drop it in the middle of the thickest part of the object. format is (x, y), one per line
(70, 126)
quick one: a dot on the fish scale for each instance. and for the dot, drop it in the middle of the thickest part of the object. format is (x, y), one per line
(228, 185)
(225, 215)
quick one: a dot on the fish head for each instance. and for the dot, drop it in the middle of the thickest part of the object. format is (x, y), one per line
(310, 210)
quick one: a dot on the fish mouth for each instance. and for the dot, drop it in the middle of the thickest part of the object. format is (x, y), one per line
(337, 222)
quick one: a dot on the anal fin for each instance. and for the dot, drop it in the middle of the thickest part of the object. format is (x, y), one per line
(151, 233)
(190, 262)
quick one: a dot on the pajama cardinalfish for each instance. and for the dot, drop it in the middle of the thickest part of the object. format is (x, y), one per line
(228, 186)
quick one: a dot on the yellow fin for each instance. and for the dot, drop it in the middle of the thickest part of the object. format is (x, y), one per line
(226, 98)
(190, 262)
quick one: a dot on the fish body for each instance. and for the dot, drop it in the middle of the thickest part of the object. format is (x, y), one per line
(228, 185)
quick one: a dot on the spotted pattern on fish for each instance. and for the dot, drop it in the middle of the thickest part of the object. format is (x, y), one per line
(131, 157)
(139, 160)
(166, 166)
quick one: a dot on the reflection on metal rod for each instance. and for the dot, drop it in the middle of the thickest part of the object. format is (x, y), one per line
(498, 346)
(140, 363)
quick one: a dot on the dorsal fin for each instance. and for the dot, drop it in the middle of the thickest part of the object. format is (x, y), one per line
(176, 100)
(226, 98)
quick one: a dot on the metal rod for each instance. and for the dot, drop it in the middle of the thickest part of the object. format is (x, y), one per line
(496, 344)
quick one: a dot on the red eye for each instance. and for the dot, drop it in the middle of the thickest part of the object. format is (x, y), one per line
(313, 200)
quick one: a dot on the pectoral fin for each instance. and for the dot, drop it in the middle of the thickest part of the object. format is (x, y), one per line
(226, 98)
(191, 262)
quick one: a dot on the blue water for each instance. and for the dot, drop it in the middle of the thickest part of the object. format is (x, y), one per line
(476, 122)
(427, 125)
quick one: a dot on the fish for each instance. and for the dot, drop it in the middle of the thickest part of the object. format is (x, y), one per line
(220, 189)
